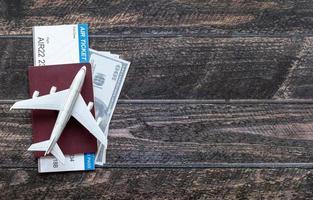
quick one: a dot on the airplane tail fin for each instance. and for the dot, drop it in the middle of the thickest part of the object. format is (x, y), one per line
(43, 146)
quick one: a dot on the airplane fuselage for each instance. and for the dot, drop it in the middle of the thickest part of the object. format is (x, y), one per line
(66, 113)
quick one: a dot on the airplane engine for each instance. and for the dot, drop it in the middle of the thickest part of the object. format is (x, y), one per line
(90, 105)
(53, 89)
(99, 120)
(35, 94)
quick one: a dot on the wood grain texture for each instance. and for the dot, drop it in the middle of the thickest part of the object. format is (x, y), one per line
(226, 184)
(216, 49)
(162, 16)
(194, 133)
(183, 67)
(299, 82)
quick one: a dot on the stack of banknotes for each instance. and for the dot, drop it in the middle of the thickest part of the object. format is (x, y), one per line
(65, 44)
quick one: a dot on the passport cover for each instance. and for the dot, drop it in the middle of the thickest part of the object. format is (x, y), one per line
(75, 138)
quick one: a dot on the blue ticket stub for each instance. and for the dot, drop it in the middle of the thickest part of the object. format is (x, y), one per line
(77, 162)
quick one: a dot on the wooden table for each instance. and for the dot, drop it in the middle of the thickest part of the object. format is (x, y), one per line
(216, 105)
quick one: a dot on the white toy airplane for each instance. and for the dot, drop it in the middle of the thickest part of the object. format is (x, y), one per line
(69, 103)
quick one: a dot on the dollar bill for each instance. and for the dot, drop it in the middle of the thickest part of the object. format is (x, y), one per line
(107, 53)
(109, 73)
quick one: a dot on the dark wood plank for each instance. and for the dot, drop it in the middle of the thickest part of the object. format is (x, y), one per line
(299, 82)
(181, 67)
(180, 133)
(161, 16)
(158, 184)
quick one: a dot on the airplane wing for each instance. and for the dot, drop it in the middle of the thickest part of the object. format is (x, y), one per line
(82, 114)
(54, 101)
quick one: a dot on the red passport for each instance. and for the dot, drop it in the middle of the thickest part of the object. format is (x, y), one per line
(75, 138)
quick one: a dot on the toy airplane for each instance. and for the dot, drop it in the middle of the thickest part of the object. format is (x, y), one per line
(69, 103)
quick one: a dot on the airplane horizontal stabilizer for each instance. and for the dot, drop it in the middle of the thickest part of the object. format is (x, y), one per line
(43, 146)
(40, 146)
(57, 152)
